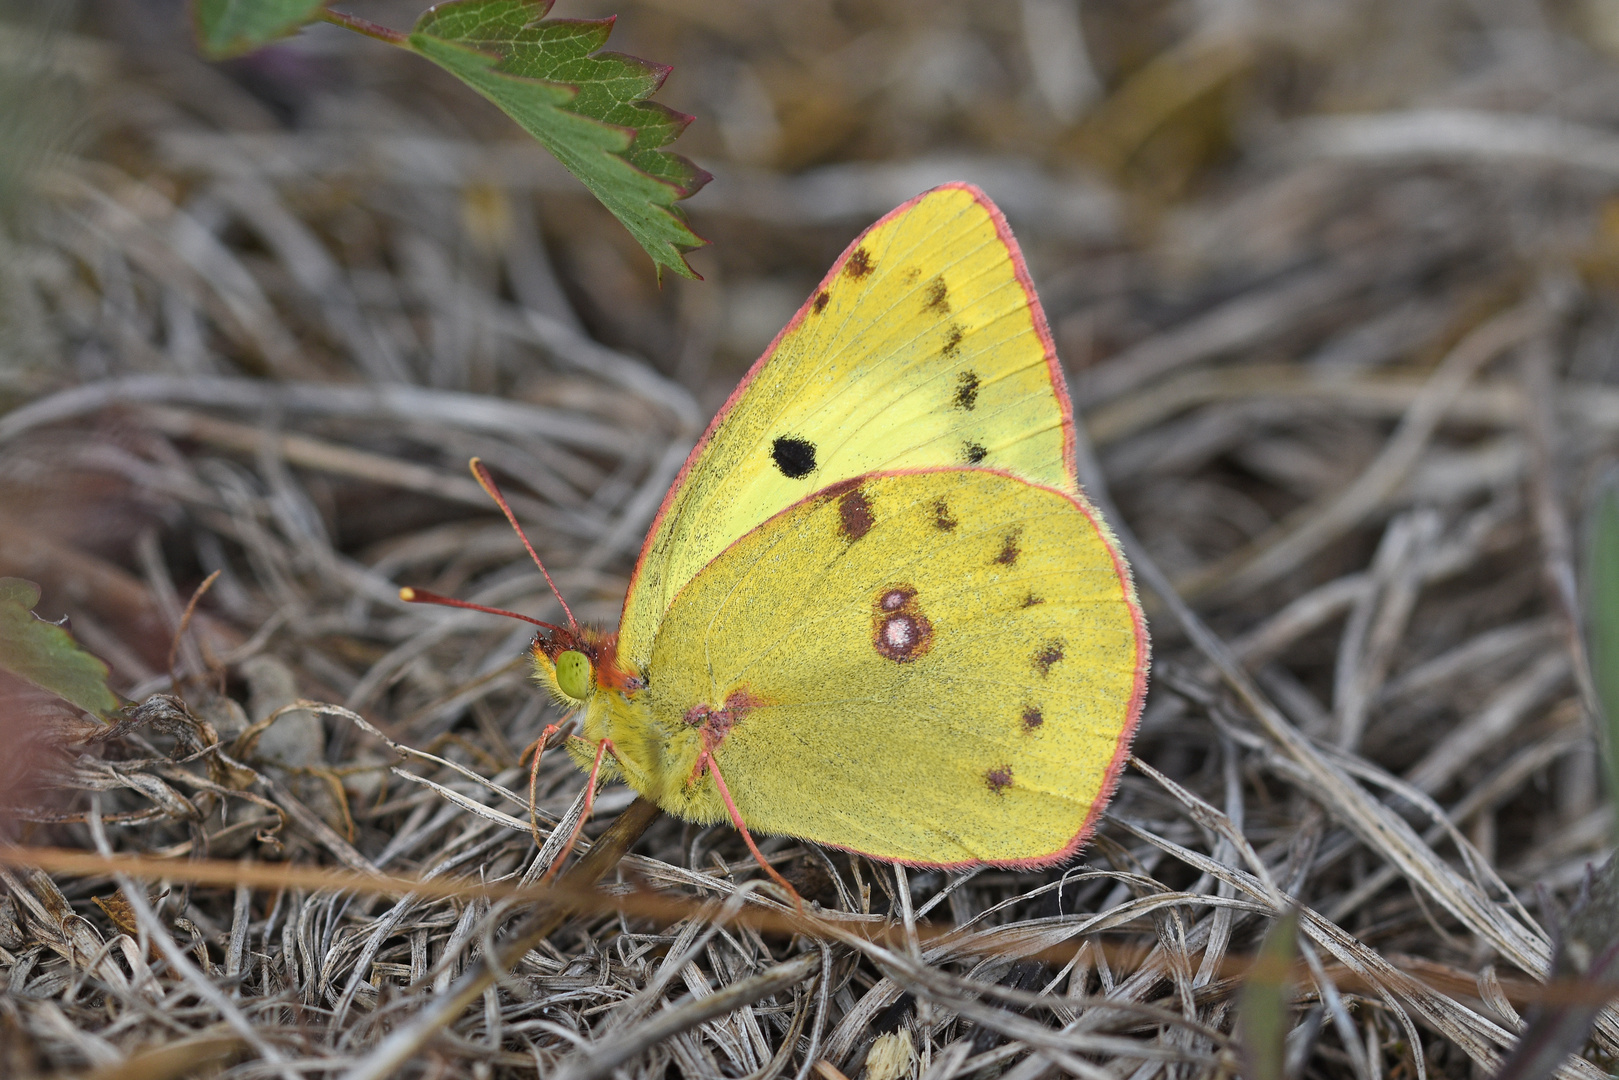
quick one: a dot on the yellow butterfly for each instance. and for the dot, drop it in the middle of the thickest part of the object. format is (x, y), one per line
(875, 610)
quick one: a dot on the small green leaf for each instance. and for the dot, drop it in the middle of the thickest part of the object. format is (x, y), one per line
(1602, 590)
(232, 27)
(588, 108)
(1263, 1012)
(46, 655)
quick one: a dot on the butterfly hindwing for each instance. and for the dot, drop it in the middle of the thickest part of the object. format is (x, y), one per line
(924, 347)
(939, 667)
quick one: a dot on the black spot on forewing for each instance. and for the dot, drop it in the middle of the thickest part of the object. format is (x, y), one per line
(967, 390)
(854, 514)
(999, 779)
(821, 300)
(1032, 718)
(860, 264)
(973, 453)
(943, 520)
(1031, 600)
(938, 295)
(952, 340)
(794, 457)
(1048, 655)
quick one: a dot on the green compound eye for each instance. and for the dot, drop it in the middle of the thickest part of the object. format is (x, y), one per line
(574, 674)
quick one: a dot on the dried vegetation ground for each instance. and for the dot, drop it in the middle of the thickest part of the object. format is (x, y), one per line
(1334, 283)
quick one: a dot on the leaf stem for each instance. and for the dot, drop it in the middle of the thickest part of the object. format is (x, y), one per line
(364, 26)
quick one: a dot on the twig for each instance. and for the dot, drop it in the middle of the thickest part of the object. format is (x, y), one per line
(603, 1059)
(392, 1053)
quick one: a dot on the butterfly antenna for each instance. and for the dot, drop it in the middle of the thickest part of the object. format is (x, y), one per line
(487, 482)
(421, 596)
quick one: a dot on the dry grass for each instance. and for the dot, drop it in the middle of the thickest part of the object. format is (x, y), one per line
(1335, 285)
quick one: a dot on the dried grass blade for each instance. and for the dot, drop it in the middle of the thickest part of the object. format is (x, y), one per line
(602, 1060)
(1313, 527)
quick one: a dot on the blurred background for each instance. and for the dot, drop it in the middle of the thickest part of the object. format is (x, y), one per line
(1339, 185)
(1333, 280)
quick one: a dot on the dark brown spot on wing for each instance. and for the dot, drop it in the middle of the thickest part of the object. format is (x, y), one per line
(1009, 549)
(896, 598)
(910, 275)
(1048, 655)
(938, 295)
(967, 390)
(1032, 718)
(854, 514)
(821, 300)
(899, 630)
(859, 264)
(942, 518)
(1031, 600)
(952, 340)
(999, 779)
(973, 453)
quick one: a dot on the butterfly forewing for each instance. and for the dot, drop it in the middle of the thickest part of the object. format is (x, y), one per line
(924, 347)
(939, 667)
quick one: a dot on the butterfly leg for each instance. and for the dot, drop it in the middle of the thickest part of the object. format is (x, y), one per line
(707, 761)
(537, 747)
(590, 802)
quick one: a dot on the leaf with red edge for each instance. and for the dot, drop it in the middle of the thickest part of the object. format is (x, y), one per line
(232, 27)
(587, 107)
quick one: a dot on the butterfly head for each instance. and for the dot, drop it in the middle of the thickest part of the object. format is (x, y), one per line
(575, 666)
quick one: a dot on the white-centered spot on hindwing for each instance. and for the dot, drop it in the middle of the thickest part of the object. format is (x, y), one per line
(899, 630)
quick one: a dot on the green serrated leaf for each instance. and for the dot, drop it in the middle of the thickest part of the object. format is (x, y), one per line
(232, 27)
(588, 108)
(46, 655)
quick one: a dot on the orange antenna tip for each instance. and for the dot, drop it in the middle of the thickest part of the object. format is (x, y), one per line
(480, 473)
